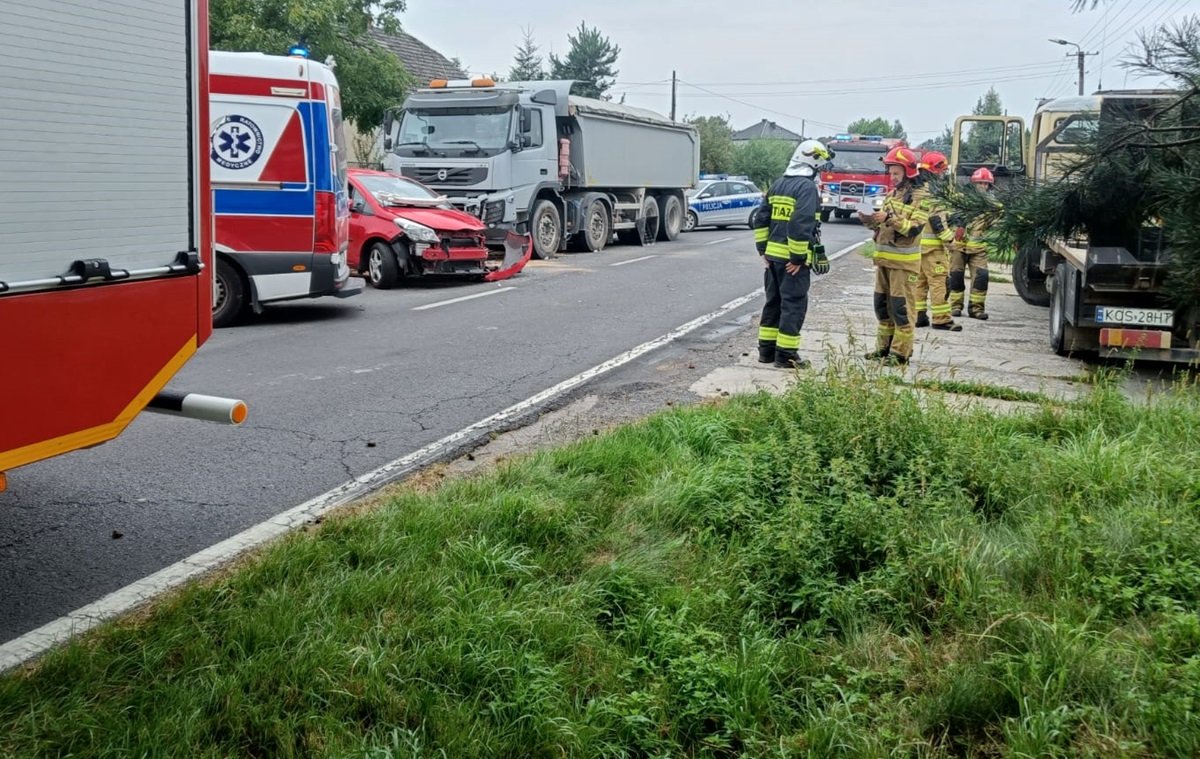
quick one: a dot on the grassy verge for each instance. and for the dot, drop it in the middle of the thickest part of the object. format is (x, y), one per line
(848, 570)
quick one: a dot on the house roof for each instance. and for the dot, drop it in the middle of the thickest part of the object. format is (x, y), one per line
(766, 130)
(421, 61)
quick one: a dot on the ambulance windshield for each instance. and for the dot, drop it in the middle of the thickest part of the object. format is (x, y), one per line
(468, 132)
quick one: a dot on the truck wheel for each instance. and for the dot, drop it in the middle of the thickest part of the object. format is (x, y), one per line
(383, 270)
(229, 295)
(672, 218)
(546, 227)
(1064, 339)
(648, 232)
(1028, 280)
(691, 221)
(842, 214)
(824, 215)
(597, 230)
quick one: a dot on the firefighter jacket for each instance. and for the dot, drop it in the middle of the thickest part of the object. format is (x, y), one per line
(938, 234)
(898, 237)
(785, 225)
(975, 238)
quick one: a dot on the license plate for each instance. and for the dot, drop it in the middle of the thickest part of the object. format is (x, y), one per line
(1143, 317)
(849, 201)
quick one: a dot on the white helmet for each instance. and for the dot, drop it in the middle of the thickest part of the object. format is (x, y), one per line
(807, 157)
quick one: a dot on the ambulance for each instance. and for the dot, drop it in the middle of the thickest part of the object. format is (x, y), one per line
(278, 162)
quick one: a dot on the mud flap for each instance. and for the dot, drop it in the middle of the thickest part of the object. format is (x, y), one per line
(518, 249)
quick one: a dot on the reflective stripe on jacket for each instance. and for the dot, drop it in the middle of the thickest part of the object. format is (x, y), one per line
(785, 225)
(898, 237)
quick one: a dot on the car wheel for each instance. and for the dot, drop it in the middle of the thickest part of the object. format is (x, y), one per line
(545, 225)
(672, 218)
(750, 220)
(229, 295)
(383, 270)
(824, 216)
(690, 221)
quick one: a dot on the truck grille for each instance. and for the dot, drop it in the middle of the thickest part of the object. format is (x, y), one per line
(446, 176)
(853, 188)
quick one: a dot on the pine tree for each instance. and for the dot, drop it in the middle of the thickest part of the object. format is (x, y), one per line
(528, 64)
(589, 62)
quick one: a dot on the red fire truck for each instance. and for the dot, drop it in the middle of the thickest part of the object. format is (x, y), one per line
(105, 220)
(857, 175)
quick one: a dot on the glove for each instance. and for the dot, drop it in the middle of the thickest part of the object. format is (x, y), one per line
(959, 234)
(819, 261)
(937, 224)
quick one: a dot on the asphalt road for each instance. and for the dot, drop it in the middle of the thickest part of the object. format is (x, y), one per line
(336, 389)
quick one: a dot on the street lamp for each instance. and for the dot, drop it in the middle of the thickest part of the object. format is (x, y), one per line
(1080, 54)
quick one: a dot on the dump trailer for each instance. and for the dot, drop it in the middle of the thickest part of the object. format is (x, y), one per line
(1103, 298)
(530, 156)
(105, 220)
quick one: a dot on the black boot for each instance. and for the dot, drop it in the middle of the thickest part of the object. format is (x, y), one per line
(981, 315)
(895, 359)
(876, 355)
(790, 360)
(922, 319)
(956, 311)
(949, 327)
(766, 352)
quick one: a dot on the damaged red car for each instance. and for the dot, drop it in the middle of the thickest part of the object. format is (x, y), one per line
(400, 229)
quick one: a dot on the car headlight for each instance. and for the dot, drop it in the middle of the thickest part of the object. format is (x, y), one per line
(417, 232)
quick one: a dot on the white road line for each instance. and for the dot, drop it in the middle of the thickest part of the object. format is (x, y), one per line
(32, 644)
(848, 248)
(441, 303)
(718, 242)
(634, 260)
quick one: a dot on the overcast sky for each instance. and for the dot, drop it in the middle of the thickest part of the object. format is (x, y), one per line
(828, 62)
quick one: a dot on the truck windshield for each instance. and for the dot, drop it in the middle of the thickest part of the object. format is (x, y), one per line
(396, 191)
(473, 131)
(858, 161)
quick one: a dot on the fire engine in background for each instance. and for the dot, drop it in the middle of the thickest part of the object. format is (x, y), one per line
(857, 175)
(278, 158)
(105, 116)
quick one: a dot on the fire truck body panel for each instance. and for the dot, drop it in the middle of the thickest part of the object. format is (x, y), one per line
(100, 306)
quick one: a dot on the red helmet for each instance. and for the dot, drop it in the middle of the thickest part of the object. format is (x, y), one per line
(905, 158)
(983, 176)
(934, 162)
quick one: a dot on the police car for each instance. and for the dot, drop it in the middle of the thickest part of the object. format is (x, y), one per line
(722, 201)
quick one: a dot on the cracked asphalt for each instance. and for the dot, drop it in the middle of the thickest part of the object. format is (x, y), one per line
(339, 388)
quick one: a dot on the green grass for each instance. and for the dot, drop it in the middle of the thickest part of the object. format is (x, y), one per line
(848, 570)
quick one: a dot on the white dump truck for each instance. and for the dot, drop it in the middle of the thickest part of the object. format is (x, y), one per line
(530, 156)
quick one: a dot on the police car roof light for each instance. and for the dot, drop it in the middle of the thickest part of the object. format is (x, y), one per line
(299, 50)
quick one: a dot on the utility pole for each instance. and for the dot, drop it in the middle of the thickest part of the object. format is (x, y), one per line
(673, 81)
(804, 128)
(1079, 54)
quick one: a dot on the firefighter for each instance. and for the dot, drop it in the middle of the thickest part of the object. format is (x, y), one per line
(897, 257)
(787, 235)
(936, 241)
(972, 252)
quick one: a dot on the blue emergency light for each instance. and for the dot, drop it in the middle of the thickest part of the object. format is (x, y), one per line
(299, 50)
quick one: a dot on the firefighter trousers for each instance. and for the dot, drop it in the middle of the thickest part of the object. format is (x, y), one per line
(931, 286)
(894, 296)
(785, 309)
(977, 263)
